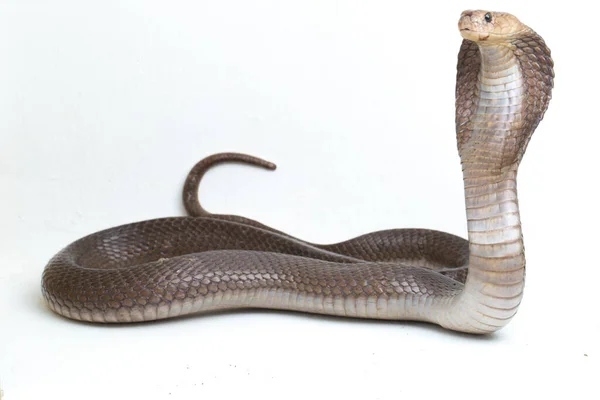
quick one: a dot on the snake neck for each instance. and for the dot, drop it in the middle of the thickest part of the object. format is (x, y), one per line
(498, 112)
(495, 281)
(494, 286)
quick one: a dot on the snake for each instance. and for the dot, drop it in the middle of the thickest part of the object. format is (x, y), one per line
(194, 264)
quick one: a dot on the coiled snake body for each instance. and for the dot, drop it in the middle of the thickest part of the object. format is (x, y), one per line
(174, 266)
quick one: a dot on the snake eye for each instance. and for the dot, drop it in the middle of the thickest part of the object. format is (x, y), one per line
(488, 17)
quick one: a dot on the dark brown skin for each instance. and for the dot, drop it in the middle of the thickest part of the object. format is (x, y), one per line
(535, 60)
(175, 266)
(420, 247)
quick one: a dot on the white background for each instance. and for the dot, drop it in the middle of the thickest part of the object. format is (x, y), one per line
(105, 106)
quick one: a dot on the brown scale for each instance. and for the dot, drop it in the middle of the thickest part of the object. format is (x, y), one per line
(118, 274)
(537, 67)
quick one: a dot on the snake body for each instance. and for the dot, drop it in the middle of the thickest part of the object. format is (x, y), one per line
(174, 266)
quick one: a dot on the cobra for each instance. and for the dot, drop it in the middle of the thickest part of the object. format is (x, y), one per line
(169, 267)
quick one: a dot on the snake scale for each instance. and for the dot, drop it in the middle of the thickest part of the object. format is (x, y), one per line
(174, 266)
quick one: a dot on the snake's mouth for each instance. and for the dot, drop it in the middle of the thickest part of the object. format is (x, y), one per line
(474, 35)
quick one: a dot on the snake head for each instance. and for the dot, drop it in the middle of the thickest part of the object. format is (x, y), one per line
(489, 26)
(504, 84)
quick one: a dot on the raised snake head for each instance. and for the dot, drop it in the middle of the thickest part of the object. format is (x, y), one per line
(528, 97)
(490, 26)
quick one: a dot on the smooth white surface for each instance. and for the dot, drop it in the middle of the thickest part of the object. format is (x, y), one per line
(105, 106)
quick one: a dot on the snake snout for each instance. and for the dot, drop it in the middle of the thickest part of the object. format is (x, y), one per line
(466, 26)
(464, 23)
